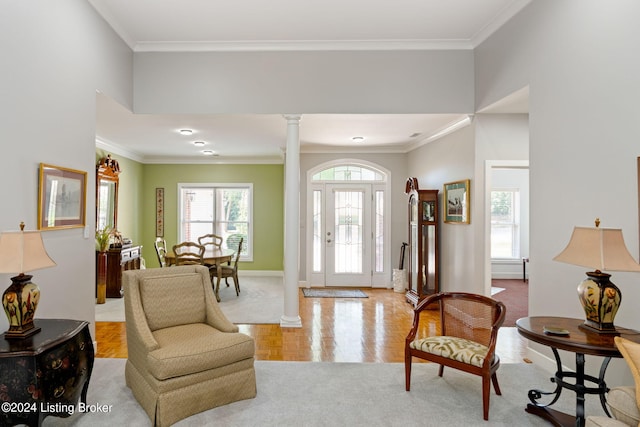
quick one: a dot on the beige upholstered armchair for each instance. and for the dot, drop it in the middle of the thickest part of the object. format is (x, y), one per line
(623, 401)
(184, 356)
(623, 408)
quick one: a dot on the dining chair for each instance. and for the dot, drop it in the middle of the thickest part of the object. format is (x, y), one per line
(210, 239)
(161, 251)
(214, 241)
(232, 270)
(187, 253)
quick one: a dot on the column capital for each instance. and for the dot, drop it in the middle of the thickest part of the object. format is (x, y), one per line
(292, 118)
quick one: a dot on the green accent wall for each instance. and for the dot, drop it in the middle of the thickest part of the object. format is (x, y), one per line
(137, 204)
(268, 206)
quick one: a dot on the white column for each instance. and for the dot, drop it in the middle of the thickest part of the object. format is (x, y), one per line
(291, 316)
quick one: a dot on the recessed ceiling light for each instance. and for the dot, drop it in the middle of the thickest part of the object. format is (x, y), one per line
(208, 152)
(185, 132)
(357, 138)
(199, 143)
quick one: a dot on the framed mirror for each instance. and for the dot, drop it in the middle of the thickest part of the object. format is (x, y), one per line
(107, 193)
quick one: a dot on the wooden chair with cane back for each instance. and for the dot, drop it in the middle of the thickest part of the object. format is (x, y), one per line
(469, 332)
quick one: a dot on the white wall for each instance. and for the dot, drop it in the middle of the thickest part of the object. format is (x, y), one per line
(584, 90)
(305, 82)
(55, 55)
(449, 159)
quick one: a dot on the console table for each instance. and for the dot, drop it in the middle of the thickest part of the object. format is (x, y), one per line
(580, 341)
(46, 373)
(119, 260)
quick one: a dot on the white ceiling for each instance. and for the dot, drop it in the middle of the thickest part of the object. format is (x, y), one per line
(245, 25)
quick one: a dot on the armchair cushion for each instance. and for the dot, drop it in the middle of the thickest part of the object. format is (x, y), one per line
(189, 349)
(460, 349)
(622, 404)
(159, 292)
(623, 408)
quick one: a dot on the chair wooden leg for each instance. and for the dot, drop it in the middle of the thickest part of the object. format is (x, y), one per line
(486, 390)
(494, 380)
(407, 371)
(237, 283)
(441, 370)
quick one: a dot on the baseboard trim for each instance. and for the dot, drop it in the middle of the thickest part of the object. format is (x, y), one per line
(261, 273)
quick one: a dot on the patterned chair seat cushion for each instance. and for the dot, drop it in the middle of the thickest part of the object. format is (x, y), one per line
(459, 349)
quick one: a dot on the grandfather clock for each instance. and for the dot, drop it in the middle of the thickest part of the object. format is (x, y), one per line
(423, 242)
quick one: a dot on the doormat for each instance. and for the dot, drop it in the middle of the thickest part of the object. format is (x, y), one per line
(333, 293)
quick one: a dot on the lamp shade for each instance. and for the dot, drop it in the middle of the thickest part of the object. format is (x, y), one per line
(598, 248)
(22, 251)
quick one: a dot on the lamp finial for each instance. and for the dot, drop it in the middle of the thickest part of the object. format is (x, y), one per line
(597, 222)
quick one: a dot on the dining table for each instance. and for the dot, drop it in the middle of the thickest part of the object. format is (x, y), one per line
(212, 256)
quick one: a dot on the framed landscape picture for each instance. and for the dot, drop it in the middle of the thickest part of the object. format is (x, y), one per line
(456, 202)
(61, 197)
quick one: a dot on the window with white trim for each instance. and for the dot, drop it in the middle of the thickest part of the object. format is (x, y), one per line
(505, 224)
(222, 209)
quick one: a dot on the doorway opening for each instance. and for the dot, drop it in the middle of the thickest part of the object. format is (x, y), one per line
(507, 231)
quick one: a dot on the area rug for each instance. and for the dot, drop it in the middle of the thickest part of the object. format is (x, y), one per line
(261, 300)
(333, 293)
(314, 394)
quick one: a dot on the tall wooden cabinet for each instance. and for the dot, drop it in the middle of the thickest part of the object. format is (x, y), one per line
(423, 242)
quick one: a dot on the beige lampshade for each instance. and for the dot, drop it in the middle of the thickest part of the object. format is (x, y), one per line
(598, 248)
(22, 251)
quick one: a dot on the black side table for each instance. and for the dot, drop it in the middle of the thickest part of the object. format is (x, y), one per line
(45, 374)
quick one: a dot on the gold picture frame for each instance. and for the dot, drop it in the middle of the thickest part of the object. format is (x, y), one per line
(456, 202)
(62, 197)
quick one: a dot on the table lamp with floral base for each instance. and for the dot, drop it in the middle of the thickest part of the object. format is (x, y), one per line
(22, 251)
(600, 249)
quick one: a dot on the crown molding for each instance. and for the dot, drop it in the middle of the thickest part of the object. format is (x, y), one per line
(118, 149)
(188, 160)
(302, 45)
(511, 10)
(450, 128)
(215, 160)
(398, 149)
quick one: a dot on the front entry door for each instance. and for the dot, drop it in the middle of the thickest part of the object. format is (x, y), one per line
(348, 235)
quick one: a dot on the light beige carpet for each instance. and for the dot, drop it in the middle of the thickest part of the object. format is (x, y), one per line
(261, 300)
(314, 394)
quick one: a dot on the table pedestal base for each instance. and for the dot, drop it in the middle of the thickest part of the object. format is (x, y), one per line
(557, 418)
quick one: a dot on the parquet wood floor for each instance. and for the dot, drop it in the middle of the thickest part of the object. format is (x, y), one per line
(364, 330)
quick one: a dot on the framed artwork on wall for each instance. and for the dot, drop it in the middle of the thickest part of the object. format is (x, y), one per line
(456, 202)
(159, 212)
(62, 195)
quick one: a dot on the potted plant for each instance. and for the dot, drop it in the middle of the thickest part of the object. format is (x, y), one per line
(103, 238)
